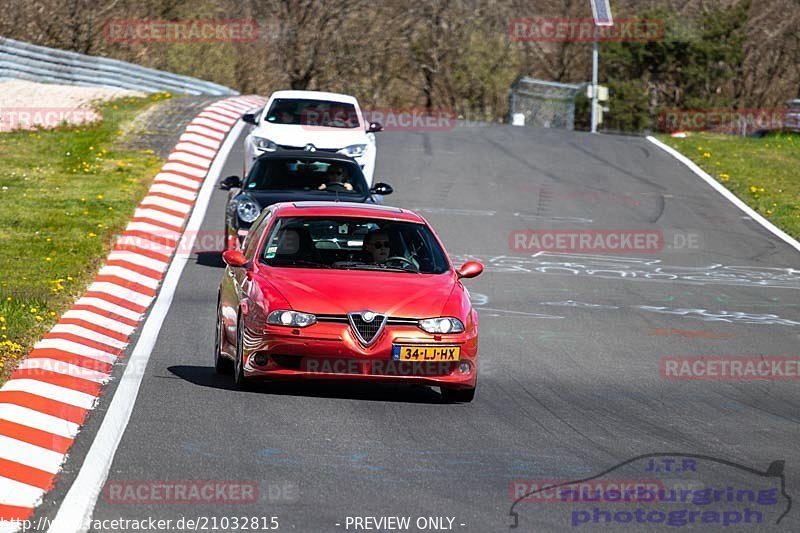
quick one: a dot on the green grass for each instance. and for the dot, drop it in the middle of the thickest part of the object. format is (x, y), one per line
(64, 194)
(764, 173)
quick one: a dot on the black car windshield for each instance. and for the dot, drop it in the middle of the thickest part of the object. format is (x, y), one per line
(306, 174)
(321, 113)
(353, 244)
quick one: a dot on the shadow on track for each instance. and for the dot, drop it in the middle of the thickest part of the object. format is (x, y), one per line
(205, 376)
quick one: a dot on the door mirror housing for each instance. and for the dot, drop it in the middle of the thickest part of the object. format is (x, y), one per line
(381, 188)
(231, 182)
(374, 127)
(470, 269)
(251, 118)
(235, 258)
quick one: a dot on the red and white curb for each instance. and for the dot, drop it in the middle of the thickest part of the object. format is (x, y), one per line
(48, 397)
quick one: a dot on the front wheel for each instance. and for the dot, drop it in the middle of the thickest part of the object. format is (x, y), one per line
(238, 374)
(222, 365)
(458, 395)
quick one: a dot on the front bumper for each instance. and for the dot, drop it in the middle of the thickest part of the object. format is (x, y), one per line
(331, 351)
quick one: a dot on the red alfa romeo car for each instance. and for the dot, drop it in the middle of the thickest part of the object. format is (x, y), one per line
(352, 291)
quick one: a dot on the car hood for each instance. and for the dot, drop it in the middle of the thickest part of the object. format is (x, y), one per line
(295, 135)
(267, 198)
(398, 294)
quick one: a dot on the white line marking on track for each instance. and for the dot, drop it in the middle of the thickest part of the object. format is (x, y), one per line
(78, 504)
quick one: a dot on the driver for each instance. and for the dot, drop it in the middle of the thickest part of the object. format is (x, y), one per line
(336, 174)
(377, 244)
(288, 242)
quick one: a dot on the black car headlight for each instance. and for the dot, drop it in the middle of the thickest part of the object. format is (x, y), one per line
(247, 209)
(284, 317)
(445, 324)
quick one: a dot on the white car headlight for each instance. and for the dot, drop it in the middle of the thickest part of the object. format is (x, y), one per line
(445, 324)
(265, 145)
(354, 150)
(247, 209)
(293, 319)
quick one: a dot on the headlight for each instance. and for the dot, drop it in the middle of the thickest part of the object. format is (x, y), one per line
(247, 209)
(354, 150)
(290, 318)
(442, 325)
(264, 144)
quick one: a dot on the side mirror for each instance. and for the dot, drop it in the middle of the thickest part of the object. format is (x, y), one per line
(470, 269)
(250, 118)
(231, 182)
(381, 188)
(374, 127)
(235, 258)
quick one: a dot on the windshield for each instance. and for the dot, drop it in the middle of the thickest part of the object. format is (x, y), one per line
(306, 174)
(354, 243)
(313, 113)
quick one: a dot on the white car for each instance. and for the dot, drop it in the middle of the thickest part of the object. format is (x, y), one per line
(314, 121)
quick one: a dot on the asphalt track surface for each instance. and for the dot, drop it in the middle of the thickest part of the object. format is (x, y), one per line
(570, 347)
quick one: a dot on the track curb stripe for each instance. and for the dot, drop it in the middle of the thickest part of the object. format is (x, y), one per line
(50, 394)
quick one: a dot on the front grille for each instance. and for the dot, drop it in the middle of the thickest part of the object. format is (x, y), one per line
(390, 321)
(286, 147)
(367, 331)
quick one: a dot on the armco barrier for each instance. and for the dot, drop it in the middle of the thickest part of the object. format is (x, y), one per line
(19, 60)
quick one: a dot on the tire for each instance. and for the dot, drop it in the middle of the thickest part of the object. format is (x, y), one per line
(222, 365)
(458, 395)
(238, 372)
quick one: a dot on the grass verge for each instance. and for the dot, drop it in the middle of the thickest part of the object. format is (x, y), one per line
(64, 194)
(760, 171)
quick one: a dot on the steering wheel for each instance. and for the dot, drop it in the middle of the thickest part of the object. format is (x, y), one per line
(340, 186)
(403, 260)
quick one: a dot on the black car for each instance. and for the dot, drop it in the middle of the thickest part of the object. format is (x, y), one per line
(291, 176)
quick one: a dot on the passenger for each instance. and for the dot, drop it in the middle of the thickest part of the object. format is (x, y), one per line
(377, 244)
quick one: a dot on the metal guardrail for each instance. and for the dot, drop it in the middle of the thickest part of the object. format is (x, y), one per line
(19, 60)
